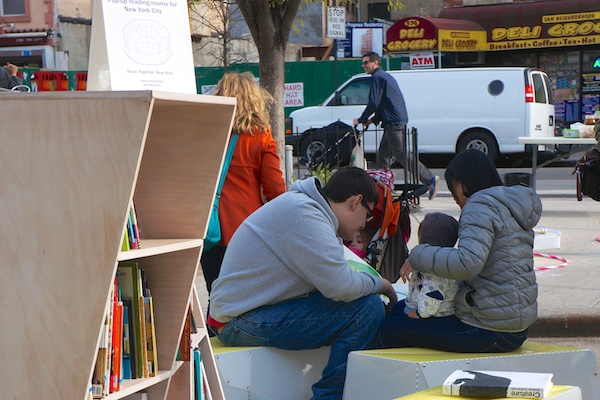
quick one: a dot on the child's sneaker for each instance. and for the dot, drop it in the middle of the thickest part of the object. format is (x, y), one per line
(433, 187)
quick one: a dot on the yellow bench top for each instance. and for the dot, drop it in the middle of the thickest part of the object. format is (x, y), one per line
(435, 393)
(416, 354)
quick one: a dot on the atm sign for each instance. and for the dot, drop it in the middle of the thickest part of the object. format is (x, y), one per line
(421, 61)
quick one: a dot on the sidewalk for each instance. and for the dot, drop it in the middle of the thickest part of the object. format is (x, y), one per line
(569, 297)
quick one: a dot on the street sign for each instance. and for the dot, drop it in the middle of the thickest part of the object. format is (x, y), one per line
(336, 22)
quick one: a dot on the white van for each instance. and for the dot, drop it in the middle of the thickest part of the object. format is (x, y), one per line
(453, 109)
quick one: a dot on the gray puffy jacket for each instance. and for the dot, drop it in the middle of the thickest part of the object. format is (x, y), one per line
(493, 259)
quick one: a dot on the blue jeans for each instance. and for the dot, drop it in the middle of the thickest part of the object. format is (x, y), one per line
(310, 322)
(444, 333)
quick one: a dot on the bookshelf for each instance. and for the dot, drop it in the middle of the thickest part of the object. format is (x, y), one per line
(71, 164)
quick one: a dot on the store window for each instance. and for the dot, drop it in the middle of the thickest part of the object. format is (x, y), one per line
(590, 82)
(564, 68)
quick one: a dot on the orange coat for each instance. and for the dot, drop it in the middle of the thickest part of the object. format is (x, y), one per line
(254, 171)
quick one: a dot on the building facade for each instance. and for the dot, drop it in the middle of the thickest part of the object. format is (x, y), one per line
(562, 37)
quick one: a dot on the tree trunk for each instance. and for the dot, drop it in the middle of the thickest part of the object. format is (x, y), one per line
(272, 77)
(270, 23)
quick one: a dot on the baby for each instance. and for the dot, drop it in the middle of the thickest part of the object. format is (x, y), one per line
(430, 295)
(361, 241)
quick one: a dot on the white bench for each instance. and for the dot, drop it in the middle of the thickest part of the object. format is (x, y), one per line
(267, 373)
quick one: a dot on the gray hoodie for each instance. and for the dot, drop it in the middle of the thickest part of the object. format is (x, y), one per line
(494, 259)
(287, 248)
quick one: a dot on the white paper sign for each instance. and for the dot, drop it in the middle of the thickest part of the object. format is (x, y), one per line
(293, 94)
(421, 60)
(336, 22)
(141, 45)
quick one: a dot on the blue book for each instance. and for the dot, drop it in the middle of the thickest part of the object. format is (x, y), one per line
(126, 363)
(198, 374)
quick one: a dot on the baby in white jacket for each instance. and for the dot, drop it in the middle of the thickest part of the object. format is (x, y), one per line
(430, 295)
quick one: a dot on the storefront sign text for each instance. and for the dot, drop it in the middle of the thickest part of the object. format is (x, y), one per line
(554, 31)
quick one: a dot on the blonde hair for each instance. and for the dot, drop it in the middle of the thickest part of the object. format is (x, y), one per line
(253, 101)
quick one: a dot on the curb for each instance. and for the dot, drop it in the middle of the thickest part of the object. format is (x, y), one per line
(574, 324)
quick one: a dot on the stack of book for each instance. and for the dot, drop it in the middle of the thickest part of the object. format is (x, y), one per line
(498, 384)
(131, 237)
(128, 345)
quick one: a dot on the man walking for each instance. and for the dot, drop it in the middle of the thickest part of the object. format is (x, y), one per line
(387, 103)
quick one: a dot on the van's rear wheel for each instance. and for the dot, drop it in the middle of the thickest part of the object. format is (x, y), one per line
(481, 141)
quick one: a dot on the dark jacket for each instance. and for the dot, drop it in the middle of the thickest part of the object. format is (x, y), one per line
(494, 259)
(385, 100)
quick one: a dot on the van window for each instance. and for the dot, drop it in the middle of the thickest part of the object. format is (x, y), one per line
(355, 94)
(549, 86)
(496, 87)
(539, 89)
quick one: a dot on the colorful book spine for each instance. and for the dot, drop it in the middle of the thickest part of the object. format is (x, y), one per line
(198, 381)
(126, 359)
(150, 336)
(136, 229)
(130, 232)
(143, 341)
(99, 377)
(116, 347)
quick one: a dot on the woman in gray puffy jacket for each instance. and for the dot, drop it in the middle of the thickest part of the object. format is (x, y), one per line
(497, 299)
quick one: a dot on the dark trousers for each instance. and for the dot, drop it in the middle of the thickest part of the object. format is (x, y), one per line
(211, 261)
(392, 148)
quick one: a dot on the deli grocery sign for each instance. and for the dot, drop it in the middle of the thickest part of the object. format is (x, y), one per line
(534, 25)
(424, 34)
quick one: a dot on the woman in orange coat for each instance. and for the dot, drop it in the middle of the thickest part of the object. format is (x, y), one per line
(254, 175)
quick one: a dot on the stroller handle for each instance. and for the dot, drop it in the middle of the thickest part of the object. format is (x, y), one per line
(410, 190)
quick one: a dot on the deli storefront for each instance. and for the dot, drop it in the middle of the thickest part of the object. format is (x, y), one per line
(559, 37)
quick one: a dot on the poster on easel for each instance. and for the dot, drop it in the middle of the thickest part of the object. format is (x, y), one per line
(141, 45)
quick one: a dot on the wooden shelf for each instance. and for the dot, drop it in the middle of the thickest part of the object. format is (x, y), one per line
(152, 247)
(72, 163)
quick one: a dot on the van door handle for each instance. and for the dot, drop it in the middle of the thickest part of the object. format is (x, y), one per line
(551, 120)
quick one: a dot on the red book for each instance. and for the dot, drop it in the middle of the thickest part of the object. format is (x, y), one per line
(116, 347)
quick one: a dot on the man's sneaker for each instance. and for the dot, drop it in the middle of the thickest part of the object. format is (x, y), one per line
(433, 187)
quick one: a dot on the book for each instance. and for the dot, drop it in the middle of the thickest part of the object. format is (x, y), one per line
(99, 378)
(143, 341)
(136, 229)
(131, 289)
(125, 242)
(130, 232)
(126, 350)
(185, 342)
(132, 361)
(498, 384)
(116, 347)
(198, 381)
(150, 336)
(358, 264)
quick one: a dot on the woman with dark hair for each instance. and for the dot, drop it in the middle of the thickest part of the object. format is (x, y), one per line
(497, 299)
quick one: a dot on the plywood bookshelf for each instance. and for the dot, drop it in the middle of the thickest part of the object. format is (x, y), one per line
(71, 164)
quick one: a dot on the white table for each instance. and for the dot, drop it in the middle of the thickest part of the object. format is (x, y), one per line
(536, 141)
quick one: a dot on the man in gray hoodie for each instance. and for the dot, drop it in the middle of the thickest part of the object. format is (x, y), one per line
(286, 283)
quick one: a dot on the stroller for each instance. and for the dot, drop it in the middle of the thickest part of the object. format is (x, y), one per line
(390, 228)
(334, 145)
